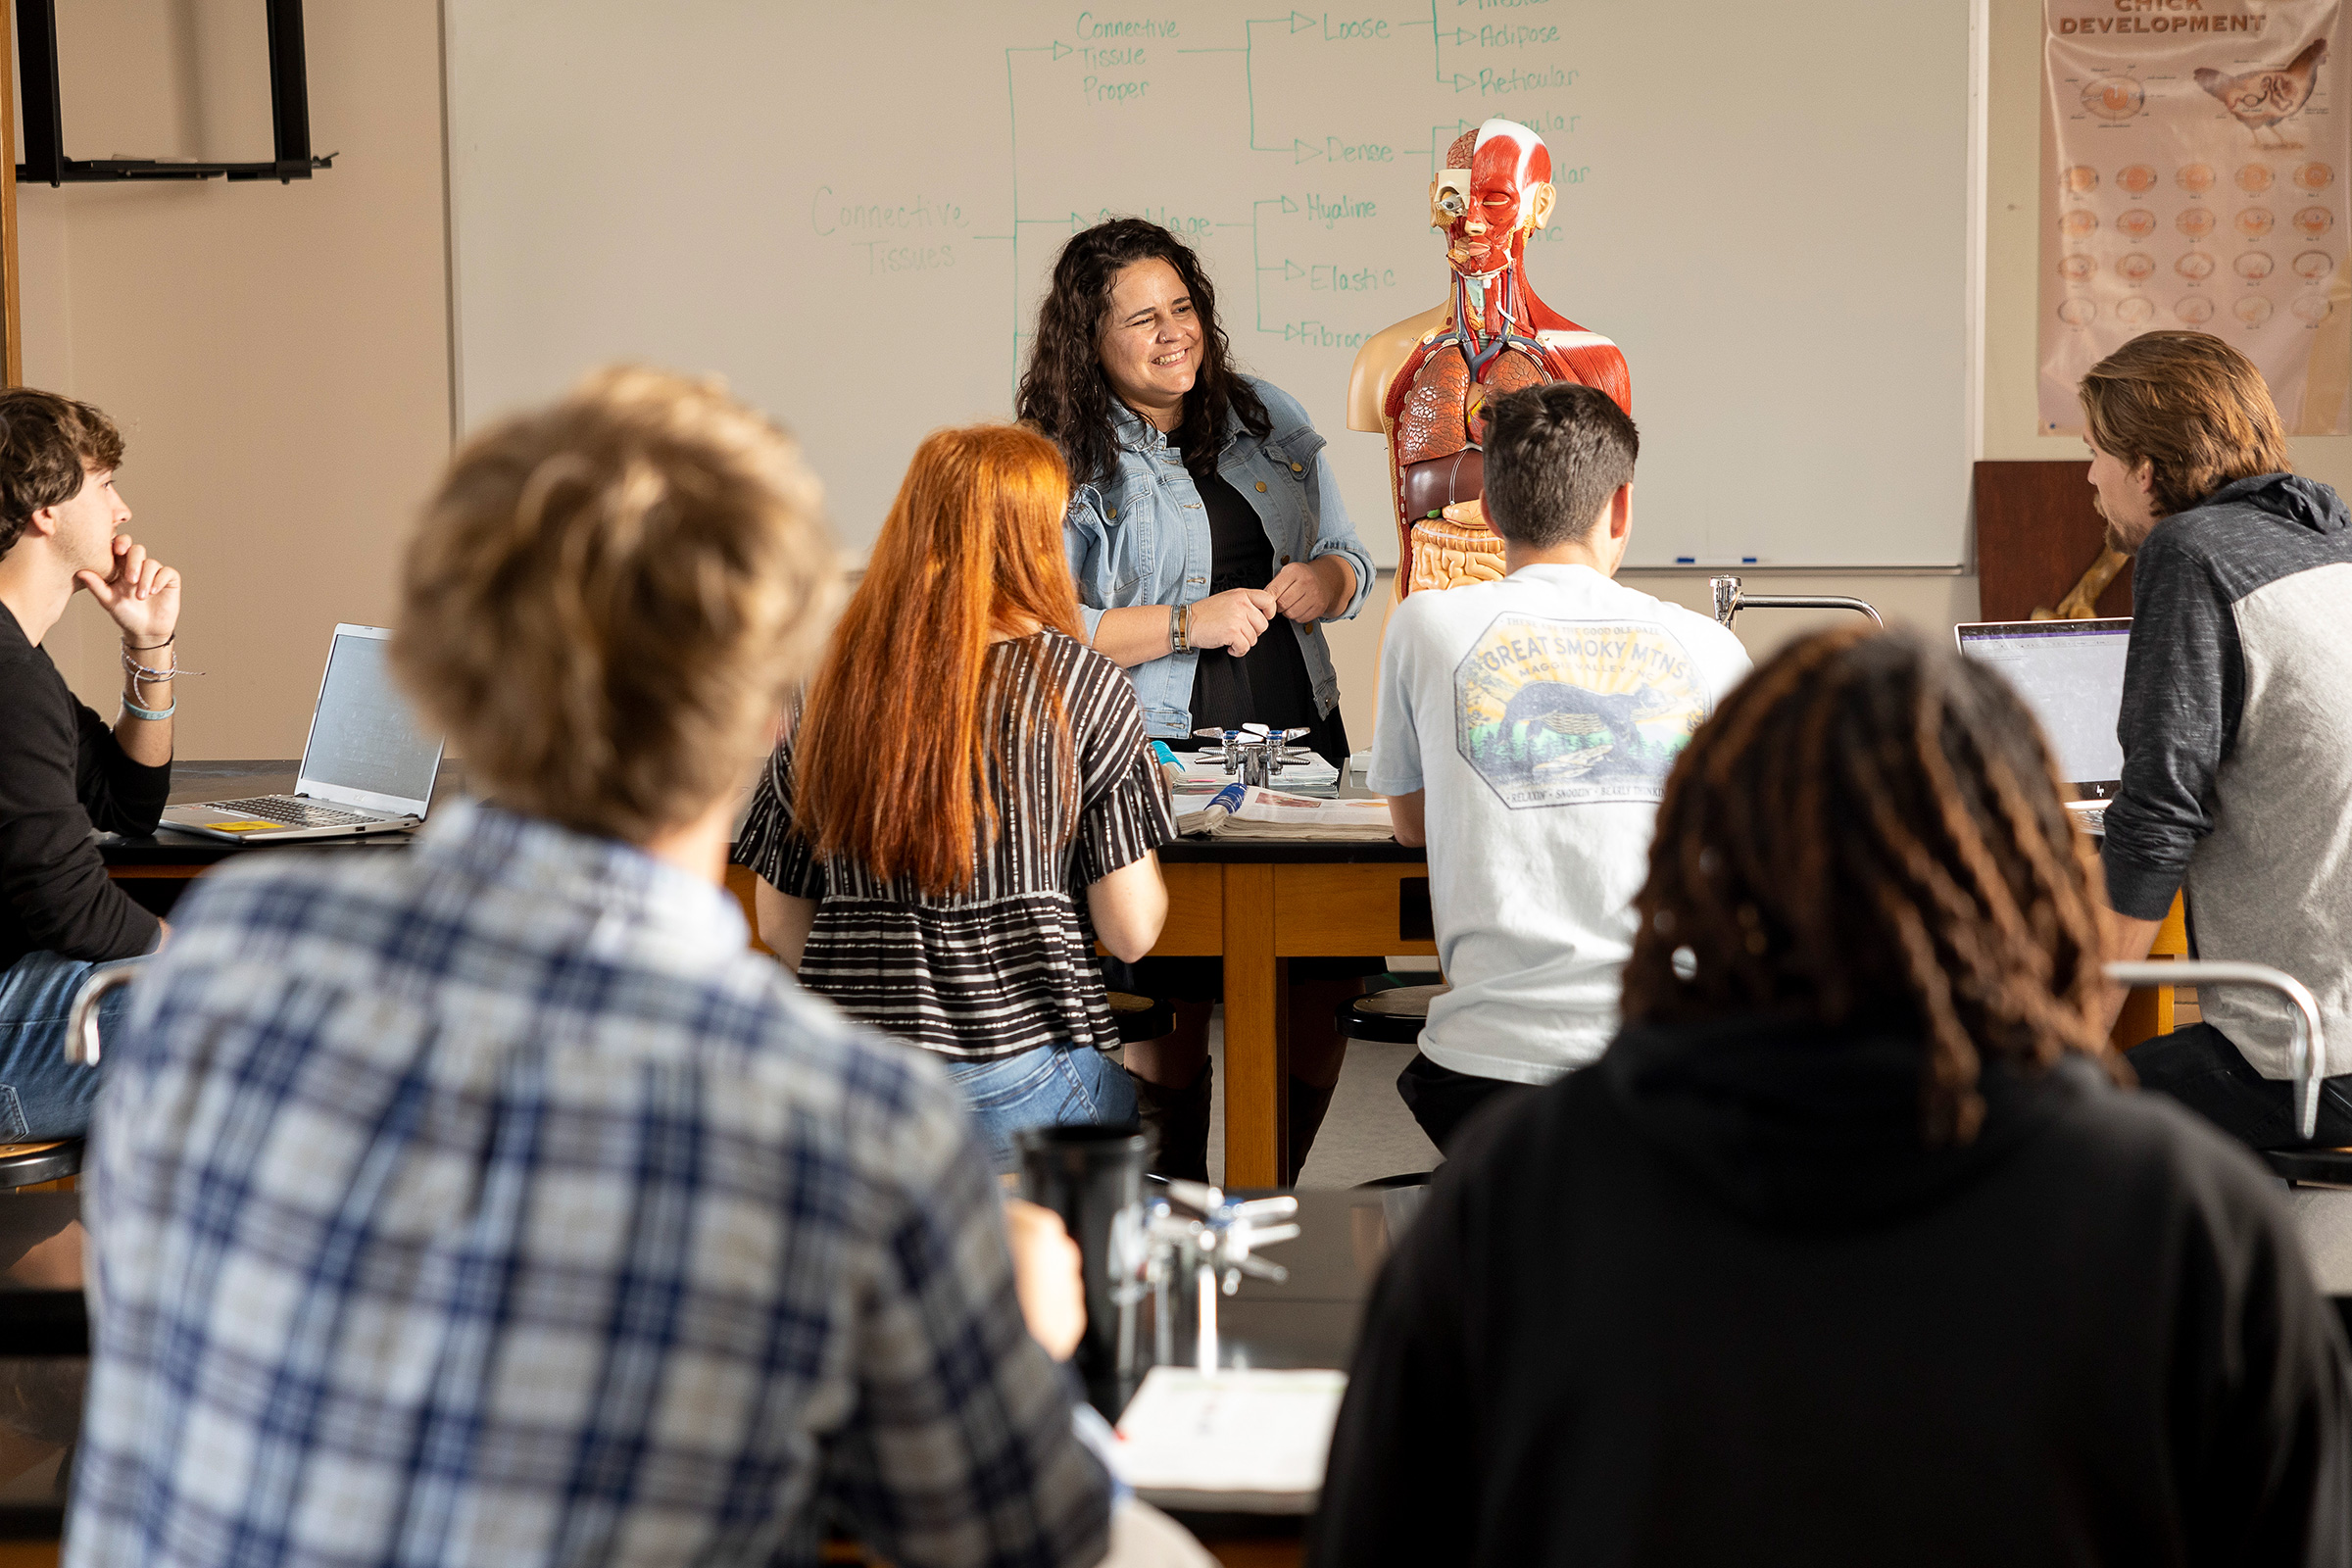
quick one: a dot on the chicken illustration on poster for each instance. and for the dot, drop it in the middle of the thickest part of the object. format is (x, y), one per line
(2194, 155)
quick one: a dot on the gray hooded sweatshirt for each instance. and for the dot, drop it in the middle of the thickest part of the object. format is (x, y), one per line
(2236, 731)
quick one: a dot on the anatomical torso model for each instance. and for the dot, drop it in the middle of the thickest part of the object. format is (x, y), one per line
(1424, 382)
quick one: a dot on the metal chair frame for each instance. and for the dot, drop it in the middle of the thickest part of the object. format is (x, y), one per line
(81, 1022)
(2307, 1049)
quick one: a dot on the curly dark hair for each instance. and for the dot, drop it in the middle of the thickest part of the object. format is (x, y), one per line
(1868, 832)
(46, 442)
(1063, 392)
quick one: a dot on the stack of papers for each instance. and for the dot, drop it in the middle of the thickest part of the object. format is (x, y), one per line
(1246, 1441)
(1264, 813)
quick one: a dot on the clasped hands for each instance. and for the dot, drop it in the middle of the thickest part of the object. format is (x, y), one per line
(1305, 591)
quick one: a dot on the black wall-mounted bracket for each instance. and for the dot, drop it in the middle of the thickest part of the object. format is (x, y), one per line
(45, 161)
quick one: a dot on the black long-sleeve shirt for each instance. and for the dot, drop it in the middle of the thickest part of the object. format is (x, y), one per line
(61, 774)
(1710, 1300)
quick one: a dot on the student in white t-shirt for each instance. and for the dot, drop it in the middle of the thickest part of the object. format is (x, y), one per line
(1526, 730)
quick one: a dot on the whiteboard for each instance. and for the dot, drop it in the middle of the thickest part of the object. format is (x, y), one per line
(850, 211)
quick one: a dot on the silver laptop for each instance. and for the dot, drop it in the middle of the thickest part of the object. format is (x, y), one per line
(2071, 674)
(367, 767)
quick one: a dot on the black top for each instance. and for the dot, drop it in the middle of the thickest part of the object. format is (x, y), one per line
(1007, 963)
(60, 772)
(1709, 1300)
(1269, 684)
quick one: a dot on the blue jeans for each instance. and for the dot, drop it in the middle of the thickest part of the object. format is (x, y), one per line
(42, 1094)
(1048, 1086)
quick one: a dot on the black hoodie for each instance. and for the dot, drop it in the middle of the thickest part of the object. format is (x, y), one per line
(1710, 1300)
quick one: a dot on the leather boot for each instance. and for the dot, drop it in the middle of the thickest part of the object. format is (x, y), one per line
(1175, 1123)
(1308, 1106)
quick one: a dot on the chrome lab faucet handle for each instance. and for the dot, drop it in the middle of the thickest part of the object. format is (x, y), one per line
(1194, 1236)
(1255, 753)
(1730, 601)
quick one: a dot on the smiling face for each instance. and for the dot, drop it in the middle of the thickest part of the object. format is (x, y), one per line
(1503, 193)
(1150, 344)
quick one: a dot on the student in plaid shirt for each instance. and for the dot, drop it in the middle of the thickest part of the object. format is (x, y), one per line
(490, 1203)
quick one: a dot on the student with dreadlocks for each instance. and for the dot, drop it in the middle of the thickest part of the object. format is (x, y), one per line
(1850, 1249)
(2236, 735)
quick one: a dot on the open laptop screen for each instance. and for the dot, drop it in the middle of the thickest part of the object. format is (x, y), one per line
(365, 735)
(2071, 674)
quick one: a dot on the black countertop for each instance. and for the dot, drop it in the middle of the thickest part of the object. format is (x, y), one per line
(204, 781)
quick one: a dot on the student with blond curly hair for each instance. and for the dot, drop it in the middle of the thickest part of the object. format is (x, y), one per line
(493, 1202)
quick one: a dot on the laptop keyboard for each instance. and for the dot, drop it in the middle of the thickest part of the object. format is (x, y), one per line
(291, 811)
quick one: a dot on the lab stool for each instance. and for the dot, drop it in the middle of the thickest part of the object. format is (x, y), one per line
(1140, 1018)
(1392, 1017)
(24, 1165)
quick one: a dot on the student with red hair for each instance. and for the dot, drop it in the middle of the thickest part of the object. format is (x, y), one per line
(969, 802)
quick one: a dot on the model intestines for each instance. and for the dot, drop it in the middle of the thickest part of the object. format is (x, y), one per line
(1496, 337)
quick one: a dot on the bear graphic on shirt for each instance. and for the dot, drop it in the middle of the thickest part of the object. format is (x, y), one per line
(1561, 712)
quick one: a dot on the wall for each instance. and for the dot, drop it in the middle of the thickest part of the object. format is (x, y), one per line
(277, 356)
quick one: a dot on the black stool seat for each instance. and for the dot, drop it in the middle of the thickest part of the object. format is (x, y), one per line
(2311, 1167)
(1392, 1017)
(1140, 1018)
(30, 1164)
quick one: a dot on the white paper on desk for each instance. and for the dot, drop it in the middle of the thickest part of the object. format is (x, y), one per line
(1230, 1433)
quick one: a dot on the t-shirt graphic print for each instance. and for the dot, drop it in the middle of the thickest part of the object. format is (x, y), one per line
(1538, 717)
(1561, 712)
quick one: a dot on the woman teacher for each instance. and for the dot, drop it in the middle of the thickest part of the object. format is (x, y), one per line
(1209, 543)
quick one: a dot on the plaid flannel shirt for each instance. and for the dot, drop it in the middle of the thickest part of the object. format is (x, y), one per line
(490, 1203)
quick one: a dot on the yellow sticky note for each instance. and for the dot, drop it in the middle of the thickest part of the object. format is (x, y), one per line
(243, 827)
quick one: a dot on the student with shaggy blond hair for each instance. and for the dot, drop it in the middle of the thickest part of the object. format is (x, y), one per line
(2236, 735)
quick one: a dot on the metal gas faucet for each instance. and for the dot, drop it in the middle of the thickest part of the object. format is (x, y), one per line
(1730, 601)
(1255, 753)
(1195, 1237)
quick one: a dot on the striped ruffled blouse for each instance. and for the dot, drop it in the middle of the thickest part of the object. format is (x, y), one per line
(1007, 963)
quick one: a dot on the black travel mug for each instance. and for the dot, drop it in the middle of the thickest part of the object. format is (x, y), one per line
(1086, 1175)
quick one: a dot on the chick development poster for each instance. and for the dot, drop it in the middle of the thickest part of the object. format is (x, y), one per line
(2194, 160)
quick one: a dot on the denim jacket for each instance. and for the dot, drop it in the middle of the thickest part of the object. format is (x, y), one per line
(1141, 537)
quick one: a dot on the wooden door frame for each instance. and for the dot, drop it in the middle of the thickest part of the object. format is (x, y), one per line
(12, 330)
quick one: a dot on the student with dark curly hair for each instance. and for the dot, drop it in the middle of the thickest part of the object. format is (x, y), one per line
(1211, 544)
(64, 770)
(1851, 1248)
